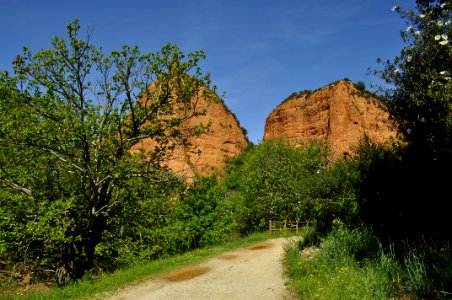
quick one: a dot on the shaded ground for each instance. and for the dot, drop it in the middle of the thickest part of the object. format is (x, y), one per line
(254, 272)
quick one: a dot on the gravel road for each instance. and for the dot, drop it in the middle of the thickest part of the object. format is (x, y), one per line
(254, 272)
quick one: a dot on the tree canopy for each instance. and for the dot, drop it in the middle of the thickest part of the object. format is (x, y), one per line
(68, 120)
(421, 76)
(404, 186)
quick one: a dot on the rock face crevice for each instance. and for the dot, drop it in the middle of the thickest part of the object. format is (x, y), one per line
(338, 114)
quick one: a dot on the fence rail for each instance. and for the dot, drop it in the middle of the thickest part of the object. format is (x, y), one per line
(287, 225)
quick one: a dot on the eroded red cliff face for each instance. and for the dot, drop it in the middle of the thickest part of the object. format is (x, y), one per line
(338, 114)
(204, 154)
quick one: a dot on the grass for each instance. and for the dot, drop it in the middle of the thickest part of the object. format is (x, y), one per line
(348, 265)
(351, 264)
(97, 287)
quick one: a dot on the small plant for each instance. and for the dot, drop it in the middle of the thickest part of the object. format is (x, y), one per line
(310, 238)
(417, 278)
(361, 86)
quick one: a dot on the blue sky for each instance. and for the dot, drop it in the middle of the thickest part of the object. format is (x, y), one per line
(258, 51)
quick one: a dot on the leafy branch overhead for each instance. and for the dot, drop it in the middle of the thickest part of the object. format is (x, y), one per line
(421, 76)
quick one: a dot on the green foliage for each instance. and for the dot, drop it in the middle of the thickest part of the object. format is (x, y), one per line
(398, 188)
(311, 238)
(391, 270)
(421, 77)
(417, 277)
(272, 182)
(360, 85)
(204, 214)
(426, 267)
(68, 120)
(342, 242)
(139, 230)
(352, 264)
(403, 187)
(339, 197)
(93, 286)
(275, 180)
(338, 270)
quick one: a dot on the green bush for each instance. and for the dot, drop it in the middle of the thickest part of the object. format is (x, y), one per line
(360, 86)
(168, 221)
(312, 237)
(203, 215)
(275, 180)
(427, 268)
(357, 244)
(139, 230)
(353, 264)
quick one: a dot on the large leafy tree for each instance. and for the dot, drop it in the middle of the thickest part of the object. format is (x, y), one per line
(421, 76)
(404, 187)
(68, 120)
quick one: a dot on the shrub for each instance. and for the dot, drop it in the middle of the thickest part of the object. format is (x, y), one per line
(356, 244)
(275, 180)
(203, 214)
(360, 86)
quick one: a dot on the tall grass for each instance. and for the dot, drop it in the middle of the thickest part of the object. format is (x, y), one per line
(348, 265)
(428, 269)
(351, 264)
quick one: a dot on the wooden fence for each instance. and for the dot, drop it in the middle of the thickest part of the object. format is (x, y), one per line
(287, 225)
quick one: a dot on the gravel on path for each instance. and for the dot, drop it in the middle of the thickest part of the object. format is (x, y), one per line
(254, 272)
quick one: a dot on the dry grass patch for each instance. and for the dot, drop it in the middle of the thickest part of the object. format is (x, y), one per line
(186, 273)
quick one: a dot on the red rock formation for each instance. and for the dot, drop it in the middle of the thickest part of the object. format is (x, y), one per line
(205, 154)
(338, 114)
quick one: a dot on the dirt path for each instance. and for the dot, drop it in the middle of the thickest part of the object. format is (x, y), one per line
(249, 273)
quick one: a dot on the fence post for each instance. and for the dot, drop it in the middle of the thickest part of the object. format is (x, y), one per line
(270, 226)
(296, 226)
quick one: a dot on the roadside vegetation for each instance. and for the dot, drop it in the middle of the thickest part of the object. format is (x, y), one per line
(102, 285)
(398, 244)
(352, 264)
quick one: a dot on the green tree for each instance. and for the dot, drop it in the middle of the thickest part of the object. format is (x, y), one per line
(275, 180)
(360, 85)
(407, 182)
(69, 119)
(203, 217)
(421, 77)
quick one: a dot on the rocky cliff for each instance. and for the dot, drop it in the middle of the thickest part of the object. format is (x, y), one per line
(205, 154)
(338, 114)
